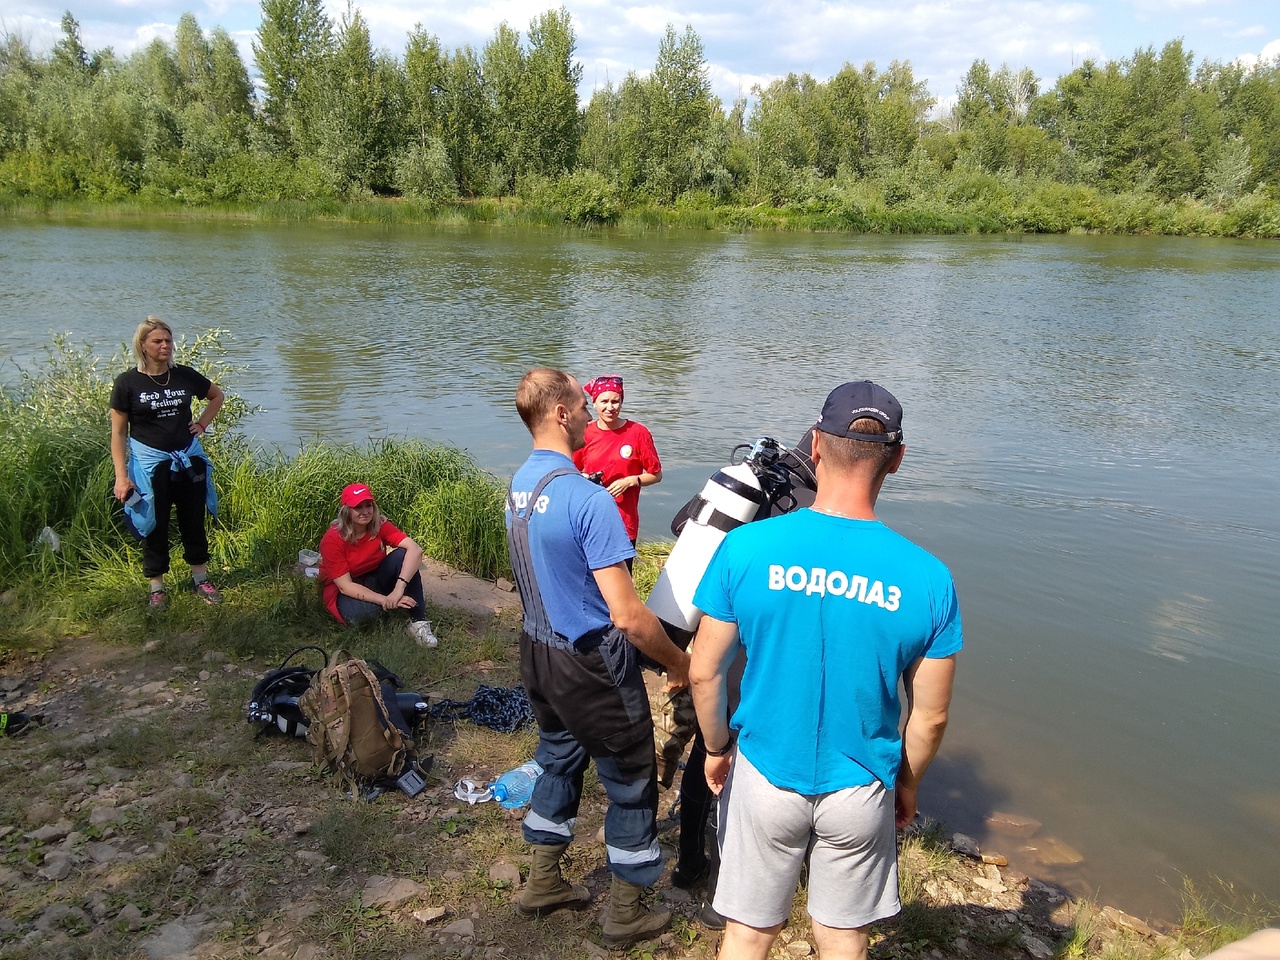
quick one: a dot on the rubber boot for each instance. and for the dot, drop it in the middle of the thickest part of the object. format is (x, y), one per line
(628, 920)
(547, 890)
(708, 916)
(696, 801)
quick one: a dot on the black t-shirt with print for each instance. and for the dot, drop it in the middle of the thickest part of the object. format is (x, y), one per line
(159, 408)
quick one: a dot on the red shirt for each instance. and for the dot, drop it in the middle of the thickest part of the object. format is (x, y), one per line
(337, 557)
(627, 452)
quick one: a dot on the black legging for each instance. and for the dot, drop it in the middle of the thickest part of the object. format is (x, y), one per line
(170, 490)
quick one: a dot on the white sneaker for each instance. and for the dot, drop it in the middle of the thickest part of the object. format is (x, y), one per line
(420, 630)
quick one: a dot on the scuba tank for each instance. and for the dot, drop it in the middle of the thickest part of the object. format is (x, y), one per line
(769, 480)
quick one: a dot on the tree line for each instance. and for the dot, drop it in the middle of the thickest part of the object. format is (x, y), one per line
(337, 118)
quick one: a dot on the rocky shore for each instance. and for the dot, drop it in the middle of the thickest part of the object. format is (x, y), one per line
(144, 819)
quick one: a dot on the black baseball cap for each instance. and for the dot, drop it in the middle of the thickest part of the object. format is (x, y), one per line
(851, 402)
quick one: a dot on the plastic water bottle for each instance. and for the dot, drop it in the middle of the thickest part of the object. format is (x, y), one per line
(515, 787)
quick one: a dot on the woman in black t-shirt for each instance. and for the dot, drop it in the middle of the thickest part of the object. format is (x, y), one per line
(159, 462)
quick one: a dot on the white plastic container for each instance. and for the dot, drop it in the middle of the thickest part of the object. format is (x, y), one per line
(309, 561)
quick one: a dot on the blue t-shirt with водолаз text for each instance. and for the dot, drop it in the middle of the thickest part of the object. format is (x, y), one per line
(831, 612)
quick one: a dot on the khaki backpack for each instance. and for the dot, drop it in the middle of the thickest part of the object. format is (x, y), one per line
(350, 728)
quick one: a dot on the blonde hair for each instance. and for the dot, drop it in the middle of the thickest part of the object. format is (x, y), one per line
(145, 329)
(346, 523)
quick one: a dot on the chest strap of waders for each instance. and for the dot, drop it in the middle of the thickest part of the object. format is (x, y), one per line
(536, 622)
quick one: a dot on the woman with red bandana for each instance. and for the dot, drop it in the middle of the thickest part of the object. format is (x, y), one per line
(621, 450)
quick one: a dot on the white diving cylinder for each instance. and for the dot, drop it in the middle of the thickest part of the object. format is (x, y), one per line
(729, 499)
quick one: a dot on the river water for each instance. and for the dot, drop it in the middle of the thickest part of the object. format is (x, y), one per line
(1091, 423)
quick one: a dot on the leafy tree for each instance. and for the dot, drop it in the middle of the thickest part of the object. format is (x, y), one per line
(293, 40)
(424, 70)
(463, 119)
(350, 114)
(69, 55)
(549, 97)
(504, 76)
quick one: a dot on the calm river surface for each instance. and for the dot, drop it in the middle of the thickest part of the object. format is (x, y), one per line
(1092, 429)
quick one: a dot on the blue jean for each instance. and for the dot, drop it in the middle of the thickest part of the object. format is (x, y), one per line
(383, 580)
(593, 706)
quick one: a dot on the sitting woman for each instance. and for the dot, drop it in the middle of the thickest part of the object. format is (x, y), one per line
(368, 565)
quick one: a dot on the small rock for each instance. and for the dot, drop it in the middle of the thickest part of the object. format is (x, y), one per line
(103, 815)
(1122, 919)
(465, 928)
(1036, 947)
(799, 948)
(995, 886)
(61, 916)
(996, 859)
(676, 895)
(313, 857)
(390, 892)
(966, 845)
(153, 688)
(131, 917)
(1055, 853)
(310, 951)
(590, 949)
(57, 865)
(170, 941)
(505, 585)
(429, 914)
(214, 656)
(1012, 824)
(100, 852)
(42, 812)
(503, 872)
(54, 831)
(204, 675)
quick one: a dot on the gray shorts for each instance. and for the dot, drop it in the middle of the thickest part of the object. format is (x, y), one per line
(767, 833)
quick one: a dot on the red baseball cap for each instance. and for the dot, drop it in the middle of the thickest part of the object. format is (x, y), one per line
(354, 494)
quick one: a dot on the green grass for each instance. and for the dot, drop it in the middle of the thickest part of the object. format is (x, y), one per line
(57, 473)
(959, 202)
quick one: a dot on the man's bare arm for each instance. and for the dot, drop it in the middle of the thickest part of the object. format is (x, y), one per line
(928, 685)
(638, 622)
(714, 650)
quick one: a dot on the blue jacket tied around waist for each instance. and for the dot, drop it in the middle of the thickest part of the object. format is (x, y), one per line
(143, 461)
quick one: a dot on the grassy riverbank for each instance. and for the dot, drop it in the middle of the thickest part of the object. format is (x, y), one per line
(69, 566)
(144, 813)
(986, 204)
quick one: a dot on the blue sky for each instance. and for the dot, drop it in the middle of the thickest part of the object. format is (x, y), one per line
(746, 41)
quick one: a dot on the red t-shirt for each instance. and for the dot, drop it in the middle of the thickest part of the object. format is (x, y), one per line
(337, 557)
(627, 452)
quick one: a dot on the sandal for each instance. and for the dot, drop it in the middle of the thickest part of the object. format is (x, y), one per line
(157, 602)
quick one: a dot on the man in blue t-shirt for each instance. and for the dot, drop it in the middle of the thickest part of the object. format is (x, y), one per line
(584, 631)
(832, 610)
